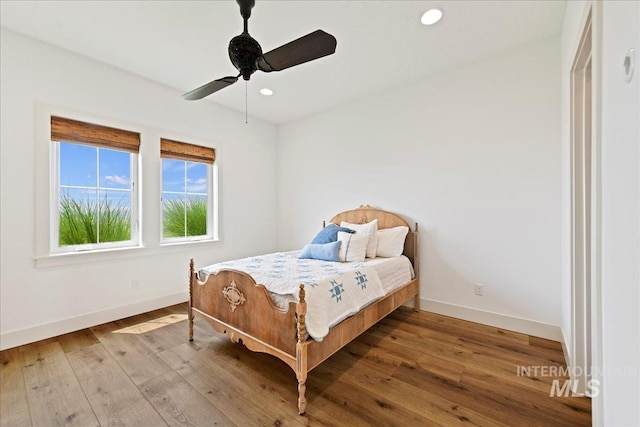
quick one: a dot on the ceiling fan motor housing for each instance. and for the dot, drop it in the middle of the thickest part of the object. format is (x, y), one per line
(244, 52)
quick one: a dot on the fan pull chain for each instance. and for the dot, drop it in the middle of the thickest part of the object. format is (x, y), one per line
(246, 103)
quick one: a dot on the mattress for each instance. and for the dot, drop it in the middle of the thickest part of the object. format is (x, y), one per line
(283, 272)
(334, 290)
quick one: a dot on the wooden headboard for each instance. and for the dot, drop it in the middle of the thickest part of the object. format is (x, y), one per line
(366, 213)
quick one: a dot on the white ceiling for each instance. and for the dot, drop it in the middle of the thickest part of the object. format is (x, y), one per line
(381, 44)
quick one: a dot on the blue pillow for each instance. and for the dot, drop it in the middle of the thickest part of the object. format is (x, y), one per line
(329, 234)
(324, 252)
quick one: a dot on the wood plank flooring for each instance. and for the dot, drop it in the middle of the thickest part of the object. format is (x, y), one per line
(411, 369)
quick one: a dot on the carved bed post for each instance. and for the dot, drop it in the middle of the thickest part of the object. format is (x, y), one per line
(301, 351)
(189, 311)
(416, 268)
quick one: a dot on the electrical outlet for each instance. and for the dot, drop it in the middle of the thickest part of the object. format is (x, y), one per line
(479, 289)
(136, 284)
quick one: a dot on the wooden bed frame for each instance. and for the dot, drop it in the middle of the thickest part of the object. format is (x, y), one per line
(234, 304)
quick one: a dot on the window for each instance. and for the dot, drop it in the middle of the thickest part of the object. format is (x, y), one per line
(186, 191)
(97, 188)
(94, 186)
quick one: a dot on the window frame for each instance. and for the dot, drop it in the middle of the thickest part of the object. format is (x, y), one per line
(147, 192)
(54, 189)
(212, 190)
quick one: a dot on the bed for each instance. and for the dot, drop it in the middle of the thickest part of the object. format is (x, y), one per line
(232, 302)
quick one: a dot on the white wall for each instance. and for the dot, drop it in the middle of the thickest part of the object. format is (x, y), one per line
(473, 156)
(40, 302)
(616, 334)
(620, 145)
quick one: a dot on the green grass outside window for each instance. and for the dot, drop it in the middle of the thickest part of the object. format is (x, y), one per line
(175, 212)
(79, 222)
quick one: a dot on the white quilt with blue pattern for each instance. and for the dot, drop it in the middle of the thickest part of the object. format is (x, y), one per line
(334, 290)
(333, 300)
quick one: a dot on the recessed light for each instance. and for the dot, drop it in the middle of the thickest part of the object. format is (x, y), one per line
(266, 91)
(431, 16)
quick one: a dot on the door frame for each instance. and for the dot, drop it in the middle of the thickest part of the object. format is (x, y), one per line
(586, 305)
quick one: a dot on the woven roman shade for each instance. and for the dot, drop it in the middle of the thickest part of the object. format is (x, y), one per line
(183, 151)
(69, 130)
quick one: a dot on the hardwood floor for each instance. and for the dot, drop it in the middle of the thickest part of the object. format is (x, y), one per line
(411, 369)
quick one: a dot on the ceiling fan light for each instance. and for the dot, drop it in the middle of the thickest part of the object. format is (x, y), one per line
(266, 91)
(431, 16)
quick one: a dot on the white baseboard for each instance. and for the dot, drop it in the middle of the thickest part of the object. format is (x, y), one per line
(71, 324)
(565, 350)
(503, 321)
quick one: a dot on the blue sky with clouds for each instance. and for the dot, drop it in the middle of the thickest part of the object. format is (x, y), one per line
(91, 168)
(84, 169)
(176, 174)
(80, 166)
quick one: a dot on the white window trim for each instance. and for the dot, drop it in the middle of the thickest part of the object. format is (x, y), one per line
(211, 211)
(148, 192)
(55, 212)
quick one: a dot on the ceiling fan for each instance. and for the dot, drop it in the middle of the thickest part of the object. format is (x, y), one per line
(246, 54)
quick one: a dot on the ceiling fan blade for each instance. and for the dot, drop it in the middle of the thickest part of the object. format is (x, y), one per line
(209, 88)
(307, 48)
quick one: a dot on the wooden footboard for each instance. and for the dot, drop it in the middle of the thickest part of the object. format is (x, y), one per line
(234, 304)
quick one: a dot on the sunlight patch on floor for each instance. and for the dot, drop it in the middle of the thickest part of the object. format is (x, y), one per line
(150, 325)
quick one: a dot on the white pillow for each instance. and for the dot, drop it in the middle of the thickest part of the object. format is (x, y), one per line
(391, 241)
(369, 230)
(353, 246)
